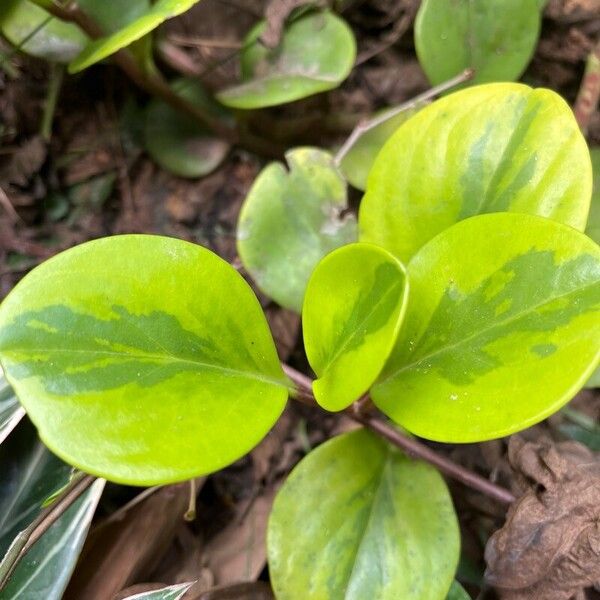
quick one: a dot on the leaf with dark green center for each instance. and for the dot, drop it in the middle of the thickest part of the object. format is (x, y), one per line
(11, 411)
(497, 38)
(354, 304)
(143, 23)
(171, 592)
(357, 519)
(151, 361)
(34, 31)
(490, 148)
(179, 143)
(357, 163)
(292, 219)
(291, 72)
(502, 329)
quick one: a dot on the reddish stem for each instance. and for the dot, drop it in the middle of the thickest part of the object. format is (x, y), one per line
(410, 445)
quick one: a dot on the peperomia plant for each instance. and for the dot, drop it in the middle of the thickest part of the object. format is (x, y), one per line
(468, 310)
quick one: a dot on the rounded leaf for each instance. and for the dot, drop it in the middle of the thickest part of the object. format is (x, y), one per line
(290, 72)
(497, 38)
(357, 163)
(457, 592)
(502, 328)
(357, 519)
(142, 359)
(34, 31)
(143, 24)
(490, 148)
(290, 220)
(354, 304)
(179, 143)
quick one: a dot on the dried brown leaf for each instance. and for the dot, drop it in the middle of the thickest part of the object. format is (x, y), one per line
(549, 546)
(24, 162)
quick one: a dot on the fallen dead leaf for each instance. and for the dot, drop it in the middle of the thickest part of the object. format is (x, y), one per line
(549, 547)
(126, 550)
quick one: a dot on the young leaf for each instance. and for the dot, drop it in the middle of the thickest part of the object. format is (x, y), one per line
(290, 220)
(354, 304)
(497, 38)
(34, 31)
(171, 592)
(360, 158)
(490, 148)
(45, 570)
(142, 359)
(291, 72)
(29, 475)
(502, 328)
(10, 410)
(179, 143)
(357, 519)
(144, 23)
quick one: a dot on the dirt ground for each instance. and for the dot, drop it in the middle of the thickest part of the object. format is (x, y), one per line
(93, 179)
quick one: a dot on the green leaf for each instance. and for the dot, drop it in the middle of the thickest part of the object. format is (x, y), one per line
(142, 359)
(116, 14)
(290, 220)
(29, 475)
(581, 427)
(171, 592)
(34, 31)
(143, 24)
(290, 72)
(354, 304)
(502, 329)
(497, 38)
(491, 148)
(357, 519)
(11, 411)
(359, 160)
(45, 570)
(179, 143)
(457, 592)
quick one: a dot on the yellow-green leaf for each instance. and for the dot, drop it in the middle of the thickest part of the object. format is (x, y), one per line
(142, 359)
(352, 311)
(357, 519)
(144, 23)
(502, 328)
(489, 148)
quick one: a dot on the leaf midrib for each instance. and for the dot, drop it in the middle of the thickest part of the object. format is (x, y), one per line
(159, 358)
(475, 335)
(355, 331)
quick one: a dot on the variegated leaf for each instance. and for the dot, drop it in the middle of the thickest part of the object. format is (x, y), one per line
(502, 328)
(142, 359)
(490, 148)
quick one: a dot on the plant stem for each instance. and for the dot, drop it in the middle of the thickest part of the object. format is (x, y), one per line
(47, 517)
(365, 126)
(155, 85)
(589, 92)
(360, 413)
(56, 77)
